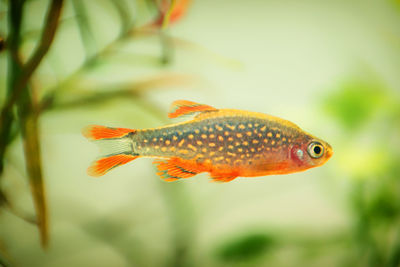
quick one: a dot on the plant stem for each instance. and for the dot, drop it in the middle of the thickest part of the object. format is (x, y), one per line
(30, 133)
(6, 119)
(27, 110)
(28, 69)
(19, 76)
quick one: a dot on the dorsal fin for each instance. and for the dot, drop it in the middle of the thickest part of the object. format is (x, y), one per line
(184, 107)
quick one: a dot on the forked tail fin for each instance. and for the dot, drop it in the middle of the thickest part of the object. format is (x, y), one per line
(116, 145)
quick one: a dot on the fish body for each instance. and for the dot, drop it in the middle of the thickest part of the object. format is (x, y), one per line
(227, 143)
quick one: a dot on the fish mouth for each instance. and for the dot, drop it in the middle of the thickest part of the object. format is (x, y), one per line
(329, 151)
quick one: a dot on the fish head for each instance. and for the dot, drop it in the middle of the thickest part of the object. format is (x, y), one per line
(309, 152)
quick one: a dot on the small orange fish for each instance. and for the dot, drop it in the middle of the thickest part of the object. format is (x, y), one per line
(227, 143)
(179, 8)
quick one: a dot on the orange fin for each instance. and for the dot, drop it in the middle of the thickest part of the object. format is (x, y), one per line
(223, 177)
(97, 132)
(184, 107)
(105, 164)
(174, 169)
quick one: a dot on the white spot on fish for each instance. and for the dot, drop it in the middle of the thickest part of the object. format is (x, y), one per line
(299, 154)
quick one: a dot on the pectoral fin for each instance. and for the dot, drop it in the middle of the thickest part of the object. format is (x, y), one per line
(223, 177)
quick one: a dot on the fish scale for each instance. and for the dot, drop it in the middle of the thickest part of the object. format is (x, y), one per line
(227, 143)
(223, 140)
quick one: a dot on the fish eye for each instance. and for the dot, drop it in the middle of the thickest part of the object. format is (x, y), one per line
(315, 150)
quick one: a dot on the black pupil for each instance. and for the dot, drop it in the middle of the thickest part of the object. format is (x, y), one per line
(317, 150)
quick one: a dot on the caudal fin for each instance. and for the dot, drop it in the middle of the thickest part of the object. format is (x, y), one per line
(98, 132)
(107, 163)
(116, 145)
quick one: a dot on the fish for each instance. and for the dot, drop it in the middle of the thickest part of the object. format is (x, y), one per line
(226, 143)
(174, 11)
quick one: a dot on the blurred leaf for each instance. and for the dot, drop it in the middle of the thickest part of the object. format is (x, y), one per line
(204, 52)
(20, 95)
(87, 65)
(124, 15)
(396, 4)
(107, 229)
(85, 30)
(4, 202)
(246, 247)
(384, 204)
(115, 232)
(91, 93)
(4, 257)
(182, 218)
(2, 44)
(394, 257)
(3, 199)
(354, 103)
(14, 70)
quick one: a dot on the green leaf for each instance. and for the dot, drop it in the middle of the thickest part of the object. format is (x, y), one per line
(354, 103)
(245, 248)
(4, 257)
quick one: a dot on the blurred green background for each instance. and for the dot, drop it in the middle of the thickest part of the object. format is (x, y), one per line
(332, 67)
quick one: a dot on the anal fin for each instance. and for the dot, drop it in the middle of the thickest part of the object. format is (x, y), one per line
(175, 169)
(185, 107)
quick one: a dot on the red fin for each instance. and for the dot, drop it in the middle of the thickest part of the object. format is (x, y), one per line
(97, 132)
(184, 107)
(174, 169)
(223, 177)
(105, 164)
